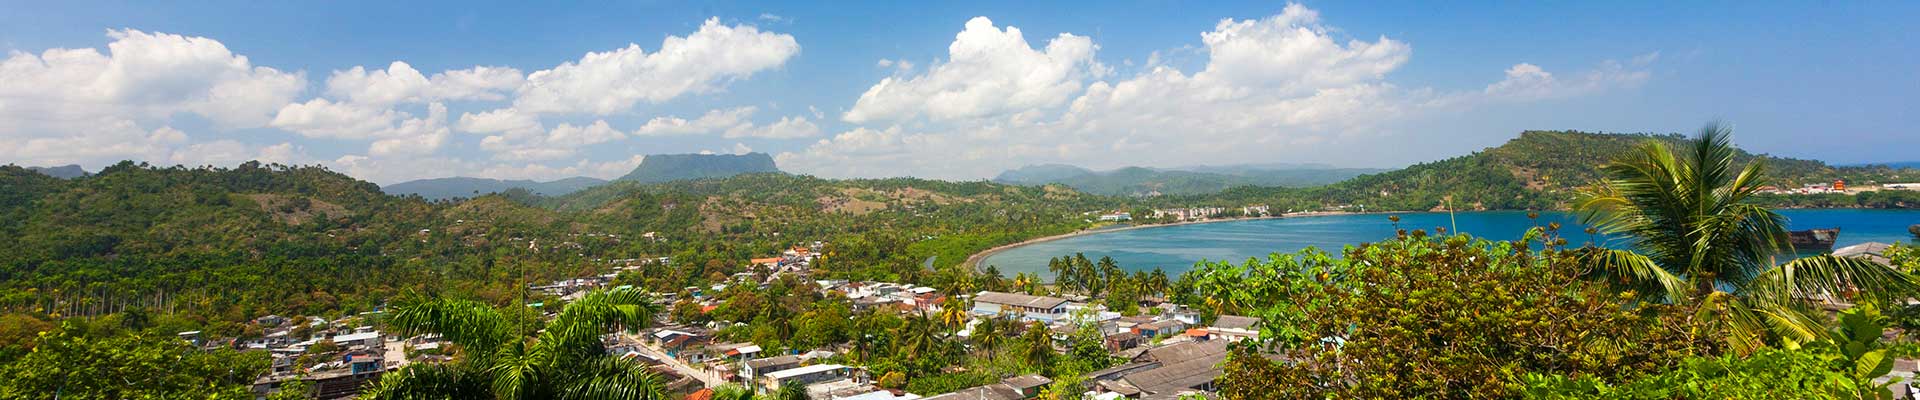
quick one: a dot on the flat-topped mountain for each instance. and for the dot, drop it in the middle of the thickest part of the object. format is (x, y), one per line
(672, 167)
(69, 171)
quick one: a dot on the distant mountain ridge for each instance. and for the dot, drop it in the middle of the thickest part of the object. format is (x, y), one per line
(458, 187)
(68, 171)
(1194, 180)
(672, 167)
(1537, 170)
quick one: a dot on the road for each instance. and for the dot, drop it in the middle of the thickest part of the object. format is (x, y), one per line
(708, 378)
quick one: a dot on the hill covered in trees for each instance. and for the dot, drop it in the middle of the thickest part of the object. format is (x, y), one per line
(670, 167)
(68, 171)
(448, 188)
(1141, 181)
(212, 247)
(1537, 170)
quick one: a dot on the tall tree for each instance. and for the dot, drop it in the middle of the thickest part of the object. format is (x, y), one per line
(563, 358)
(1697, 237)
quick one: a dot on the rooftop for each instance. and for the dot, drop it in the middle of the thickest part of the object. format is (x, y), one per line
(1041, 302)
(1235, 322)
(807, 370)
(354, 337)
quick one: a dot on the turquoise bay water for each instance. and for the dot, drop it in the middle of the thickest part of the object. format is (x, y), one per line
(1176, 248)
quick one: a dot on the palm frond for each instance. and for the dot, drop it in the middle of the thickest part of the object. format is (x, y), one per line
(1828, 276)
(426, 381)
(473, 325)
(1625, 270)
(614, 379)
(577, 330)
(518, 372)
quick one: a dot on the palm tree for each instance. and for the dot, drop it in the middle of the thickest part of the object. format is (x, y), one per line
(954, 313)
(732, 392)
(1063, 273)
(1024, 283)
(916, 335)
(564, 359)
(1697, 239)
(1157, 282)
(989, 334)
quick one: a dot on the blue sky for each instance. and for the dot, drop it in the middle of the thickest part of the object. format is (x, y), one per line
(1376, 84)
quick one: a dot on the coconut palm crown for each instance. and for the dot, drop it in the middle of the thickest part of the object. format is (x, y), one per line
(501, 359)
(1697, 239)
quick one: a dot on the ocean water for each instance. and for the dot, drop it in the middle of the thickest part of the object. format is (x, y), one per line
(1177, 248)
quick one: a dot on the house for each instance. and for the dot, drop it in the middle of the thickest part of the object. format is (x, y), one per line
(1871, 251)
(1028, 385)
(1235, 328)
(1159, 328)
(745, 351)
(773, 381)
(995, 303)
(682, 344)
(879, 395)
(1015, 388)
(1164, 371)
(1122, 341)
(270, 320)
(368, 339)
(755, 368)
(1179, 313)
(1116, 217)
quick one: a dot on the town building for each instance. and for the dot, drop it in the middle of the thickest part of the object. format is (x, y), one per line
(1027, 306)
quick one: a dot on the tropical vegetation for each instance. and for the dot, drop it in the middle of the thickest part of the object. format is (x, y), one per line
(510, 355)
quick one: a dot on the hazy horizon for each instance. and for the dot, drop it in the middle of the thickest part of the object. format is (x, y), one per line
(395, 92)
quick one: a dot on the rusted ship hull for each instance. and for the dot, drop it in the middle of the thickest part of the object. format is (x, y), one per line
(1813, 240)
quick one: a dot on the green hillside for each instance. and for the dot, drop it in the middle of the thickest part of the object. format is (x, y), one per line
(211, 247)
(1139, 181)
(1537, 170)
(448, 188)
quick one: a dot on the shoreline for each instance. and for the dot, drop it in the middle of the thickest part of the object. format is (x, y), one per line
(973, 261)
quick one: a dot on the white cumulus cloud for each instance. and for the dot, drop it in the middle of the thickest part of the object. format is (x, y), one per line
(613, 81)
(989, 71)
(111, 102)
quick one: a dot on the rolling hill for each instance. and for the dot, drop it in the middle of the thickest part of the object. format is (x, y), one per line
(1140, 181)
(69, 171)
(1537, 170)
(456, 187)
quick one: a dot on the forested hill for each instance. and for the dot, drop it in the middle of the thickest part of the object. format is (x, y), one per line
(1537, 170)
(1141, 181)
(670, 167)
(448, 188)
(211, 247)
(68, 171)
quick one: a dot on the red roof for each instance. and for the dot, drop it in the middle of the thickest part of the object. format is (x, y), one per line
(702, 394)
(1197, 332)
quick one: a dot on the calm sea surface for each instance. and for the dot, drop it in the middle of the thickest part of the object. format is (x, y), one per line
(1177, 248)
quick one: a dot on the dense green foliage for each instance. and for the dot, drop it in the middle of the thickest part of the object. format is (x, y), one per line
(1698, 238)
(1538, 170)
(216, 247)
(1448, 317)
(73, 363)
(504, 359)
(458, 187)
(1137, 181)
